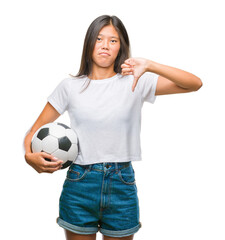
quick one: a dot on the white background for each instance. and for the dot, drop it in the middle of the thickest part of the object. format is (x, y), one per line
(181, 178)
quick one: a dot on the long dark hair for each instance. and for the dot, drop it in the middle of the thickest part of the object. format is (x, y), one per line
(90, 40)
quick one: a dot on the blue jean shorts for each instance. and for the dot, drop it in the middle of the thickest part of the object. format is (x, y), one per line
(100, 197)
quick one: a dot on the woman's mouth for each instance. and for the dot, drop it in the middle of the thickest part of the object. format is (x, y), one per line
(104, 54)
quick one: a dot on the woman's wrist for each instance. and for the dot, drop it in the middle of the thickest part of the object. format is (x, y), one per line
(151, 66)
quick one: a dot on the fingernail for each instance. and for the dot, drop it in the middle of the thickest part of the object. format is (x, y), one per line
(55, 158)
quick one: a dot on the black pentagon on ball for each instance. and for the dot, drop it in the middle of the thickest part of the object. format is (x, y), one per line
(63, 125)
(64, 143)
(44, 132)
(66, 164)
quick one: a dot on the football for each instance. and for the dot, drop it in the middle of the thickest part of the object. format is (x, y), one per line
(56, 139)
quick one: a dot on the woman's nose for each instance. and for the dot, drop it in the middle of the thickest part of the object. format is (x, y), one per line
(105, 45)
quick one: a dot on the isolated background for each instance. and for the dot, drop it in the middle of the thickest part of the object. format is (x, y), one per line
(181, 178)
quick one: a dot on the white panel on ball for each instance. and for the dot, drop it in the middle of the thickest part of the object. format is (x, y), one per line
(50, 144)
(73, 152)
(71, 135)
(57, 130)
(36, 145)
(61, 155)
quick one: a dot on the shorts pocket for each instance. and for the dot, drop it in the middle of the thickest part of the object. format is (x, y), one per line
(127, 175)
(76, 172)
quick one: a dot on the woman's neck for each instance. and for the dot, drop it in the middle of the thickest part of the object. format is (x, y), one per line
(101, 73)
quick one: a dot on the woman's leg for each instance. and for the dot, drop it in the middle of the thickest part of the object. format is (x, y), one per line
(121, 238)
(74, 236)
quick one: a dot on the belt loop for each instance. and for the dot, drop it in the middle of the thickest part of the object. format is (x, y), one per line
(89, 167)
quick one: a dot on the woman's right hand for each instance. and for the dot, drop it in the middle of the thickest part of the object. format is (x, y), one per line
(38, 162)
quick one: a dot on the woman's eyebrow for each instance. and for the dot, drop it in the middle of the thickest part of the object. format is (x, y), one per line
(110, 36)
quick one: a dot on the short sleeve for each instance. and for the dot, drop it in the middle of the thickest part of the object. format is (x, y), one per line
(59, 98)
(147, 86)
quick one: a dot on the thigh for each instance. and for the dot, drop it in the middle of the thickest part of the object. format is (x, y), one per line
(121, 238)
(120, 217)
(79, 200)
(74, 236)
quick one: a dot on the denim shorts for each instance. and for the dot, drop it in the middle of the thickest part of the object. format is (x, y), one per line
(100, 197)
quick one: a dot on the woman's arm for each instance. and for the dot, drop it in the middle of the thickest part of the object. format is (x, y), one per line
(37, 160)
(171, 80)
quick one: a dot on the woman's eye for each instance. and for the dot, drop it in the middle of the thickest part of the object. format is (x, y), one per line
(113, 41)
(99, 39)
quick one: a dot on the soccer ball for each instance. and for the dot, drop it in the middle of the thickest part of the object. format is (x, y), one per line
(58, 140)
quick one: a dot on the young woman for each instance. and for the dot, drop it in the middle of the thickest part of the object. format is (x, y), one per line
(99, 193)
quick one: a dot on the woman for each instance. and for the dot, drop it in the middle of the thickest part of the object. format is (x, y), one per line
(99, 192)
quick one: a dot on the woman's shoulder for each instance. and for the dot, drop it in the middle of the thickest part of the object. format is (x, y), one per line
(71, 80)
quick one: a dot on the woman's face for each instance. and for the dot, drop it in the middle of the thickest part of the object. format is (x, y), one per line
(106, 48)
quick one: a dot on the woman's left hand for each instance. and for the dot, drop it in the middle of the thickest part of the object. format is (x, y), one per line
(136, 67)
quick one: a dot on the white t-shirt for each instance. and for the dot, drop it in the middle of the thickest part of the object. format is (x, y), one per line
(106, 116)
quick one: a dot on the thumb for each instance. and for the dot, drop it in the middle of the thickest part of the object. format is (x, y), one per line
(134, 83)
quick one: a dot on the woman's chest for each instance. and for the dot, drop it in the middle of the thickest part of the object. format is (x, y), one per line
(110, 106)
